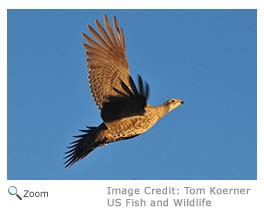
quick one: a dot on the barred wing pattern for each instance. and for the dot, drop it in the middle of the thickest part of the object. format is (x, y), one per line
(107, 62)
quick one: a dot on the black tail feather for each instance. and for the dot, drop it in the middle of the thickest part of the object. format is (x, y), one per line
(81, 147)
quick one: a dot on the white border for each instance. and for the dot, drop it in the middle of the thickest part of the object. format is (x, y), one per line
(3, 93)
(92, 194)
(135, 4)
(260, 97)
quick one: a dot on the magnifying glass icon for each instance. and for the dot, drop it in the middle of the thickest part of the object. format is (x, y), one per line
(12, 190)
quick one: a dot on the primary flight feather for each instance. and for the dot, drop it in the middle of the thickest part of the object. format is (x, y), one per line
(123, 104)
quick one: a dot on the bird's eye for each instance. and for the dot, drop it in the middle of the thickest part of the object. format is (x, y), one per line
(172, 101)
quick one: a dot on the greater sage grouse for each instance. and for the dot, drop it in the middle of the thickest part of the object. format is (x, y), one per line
(123, 105)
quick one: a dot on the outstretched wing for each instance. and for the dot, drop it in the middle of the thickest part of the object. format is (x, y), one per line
(128, 101)
(107, 62)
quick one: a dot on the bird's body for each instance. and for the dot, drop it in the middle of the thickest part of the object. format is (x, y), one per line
(132, 126)
(123, 105)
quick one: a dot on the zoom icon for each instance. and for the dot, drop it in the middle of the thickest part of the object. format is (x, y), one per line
(12, 190)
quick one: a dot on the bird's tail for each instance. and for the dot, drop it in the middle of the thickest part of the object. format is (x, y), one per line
(85, 144)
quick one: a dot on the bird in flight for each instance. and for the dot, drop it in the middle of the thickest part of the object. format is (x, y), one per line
(123, 104)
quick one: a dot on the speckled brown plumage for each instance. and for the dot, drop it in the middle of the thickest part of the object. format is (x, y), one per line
(122, 103)
(107, 61)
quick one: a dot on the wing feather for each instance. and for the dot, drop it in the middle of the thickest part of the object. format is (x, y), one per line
(109, 29)
(98, 37)
(104, 34)
(123, 38)
(129, 101)
(117, 32)
(107, 61)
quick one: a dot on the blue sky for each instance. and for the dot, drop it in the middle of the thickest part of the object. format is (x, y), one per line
(205, 57)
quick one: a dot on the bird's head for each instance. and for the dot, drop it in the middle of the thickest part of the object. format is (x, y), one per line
(173, 103)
